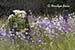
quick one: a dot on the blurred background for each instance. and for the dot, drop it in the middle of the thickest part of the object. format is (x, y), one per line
(37, 6)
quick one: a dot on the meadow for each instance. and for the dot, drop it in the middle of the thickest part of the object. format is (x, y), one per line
(44, 34)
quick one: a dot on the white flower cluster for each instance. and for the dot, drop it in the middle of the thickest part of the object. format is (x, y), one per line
(10, 16)
(20, 13)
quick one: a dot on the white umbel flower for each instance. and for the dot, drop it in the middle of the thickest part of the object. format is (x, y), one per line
(23, 12)
(18, 12)
(10, 16)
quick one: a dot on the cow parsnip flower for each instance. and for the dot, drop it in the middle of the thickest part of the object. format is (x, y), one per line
(10, 16)
(19, 11)
(16, 11)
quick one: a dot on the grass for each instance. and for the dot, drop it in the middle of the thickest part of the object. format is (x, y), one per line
(66, 42)
(3, 21)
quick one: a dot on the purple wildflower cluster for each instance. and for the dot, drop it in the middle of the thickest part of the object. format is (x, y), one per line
(56, 24)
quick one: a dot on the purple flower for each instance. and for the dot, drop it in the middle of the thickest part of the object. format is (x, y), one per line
(3, 32)
(17, 33)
